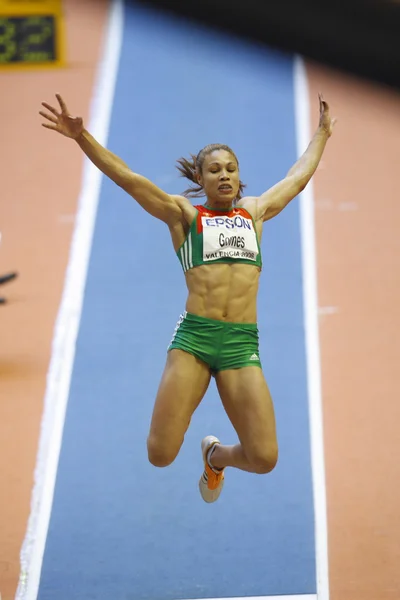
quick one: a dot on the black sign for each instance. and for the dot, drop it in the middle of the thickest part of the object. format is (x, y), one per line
(30, 39)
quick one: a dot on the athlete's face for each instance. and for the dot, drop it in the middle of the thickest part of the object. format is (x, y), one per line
(220, 177)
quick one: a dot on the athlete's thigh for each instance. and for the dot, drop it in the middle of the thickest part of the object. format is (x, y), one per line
(247, 401)
(183, 384)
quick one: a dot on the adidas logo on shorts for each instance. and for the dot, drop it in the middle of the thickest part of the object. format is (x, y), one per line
(254, 357)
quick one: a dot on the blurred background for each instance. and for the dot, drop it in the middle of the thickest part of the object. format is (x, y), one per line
(91, 292)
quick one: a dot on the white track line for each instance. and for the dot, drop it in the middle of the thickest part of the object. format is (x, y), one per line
(310, 291)
(68, 319)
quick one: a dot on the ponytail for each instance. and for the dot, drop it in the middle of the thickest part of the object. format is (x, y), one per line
(188, 169)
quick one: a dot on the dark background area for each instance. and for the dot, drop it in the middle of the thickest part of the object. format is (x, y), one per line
(358, 37)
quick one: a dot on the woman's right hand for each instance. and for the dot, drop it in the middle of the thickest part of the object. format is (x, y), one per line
(63, 122)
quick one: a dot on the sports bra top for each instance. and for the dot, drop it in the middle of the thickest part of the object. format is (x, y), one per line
(220, 236)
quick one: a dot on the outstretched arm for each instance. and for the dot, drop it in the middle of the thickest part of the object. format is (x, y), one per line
(273, 201)
(154, 200)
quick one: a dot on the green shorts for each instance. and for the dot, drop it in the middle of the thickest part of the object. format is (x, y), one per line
(219, 344)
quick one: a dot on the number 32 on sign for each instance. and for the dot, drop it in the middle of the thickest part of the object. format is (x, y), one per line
(31, 34)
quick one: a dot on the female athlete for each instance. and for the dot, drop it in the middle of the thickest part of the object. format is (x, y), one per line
(218, 245)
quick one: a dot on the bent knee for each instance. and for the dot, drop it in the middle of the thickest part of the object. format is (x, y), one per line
(159, 453)
(264, 460)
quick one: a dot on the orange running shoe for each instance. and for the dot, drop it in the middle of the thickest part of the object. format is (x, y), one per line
(212, 480)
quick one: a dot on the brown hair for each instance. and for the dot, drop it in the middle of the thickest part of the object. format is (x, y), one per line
(188, 168)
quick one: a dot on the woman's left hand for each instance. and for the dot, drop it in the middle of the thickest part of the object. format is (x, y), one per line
(326, 123)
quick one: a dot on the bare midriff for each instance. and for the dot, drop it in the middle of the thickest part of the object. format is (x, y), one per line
(224, 292)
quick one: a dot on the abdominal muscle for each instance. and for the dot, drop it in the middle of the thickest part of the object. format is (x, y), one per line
(224, 292)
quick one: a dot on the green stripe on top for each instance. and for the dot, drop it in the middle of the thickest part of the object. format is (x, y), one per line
(185, 253)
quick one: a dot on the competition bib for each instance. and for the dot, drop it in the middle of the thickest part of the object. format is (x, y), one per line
(229, 237)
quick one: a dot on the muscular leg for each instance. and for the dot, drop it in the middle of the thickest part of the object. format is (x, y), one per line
(248, 404)
(184, 382)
